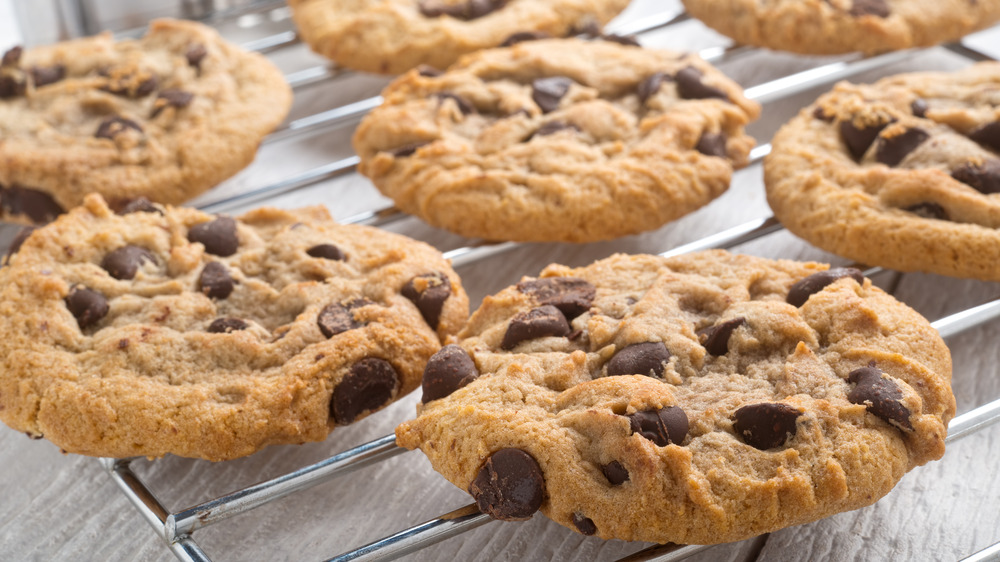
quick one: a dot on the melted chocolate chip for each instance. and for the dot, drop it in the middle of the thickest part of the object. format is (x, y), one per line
(369, 385)
(536, 323)
(551, 128)
(448, 370)
(463, 105)
(627, 40)
(805, 288)
(988, 135)
(171, 97)
(38, 206)
(928, 210)
(195, 54)
(11, 87)
(984, 178)
(115, 125)
(12, 57)
(648, 358)
(227, 325)
(327, 252)
(919, 108)
(18, 240)
(406, 149)
(87, 306)
(338, 318)
(428, 71)
(215, 281)
(716, 338)
(509, 486)
(880, 396)
(218, 236)
(470, 10)
(712, 144)
(615, 473)
(44, 75)
(139, 205)
(429, 292)
(663, 427)
(546, 92)
(690, 86)
(648, 87)
(130, 84)
(858, 140)
(571, 295)
(522, 36)
(766, 425)
(892, 150)
(584, 524)
(878, 8)
(124, 262)
(822, 115)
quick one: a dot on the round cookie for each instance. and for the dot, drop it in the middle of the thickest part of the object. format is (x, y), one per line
(699, 399)
(166, 117)
(903, 173)
(557, 140)
(393, 36)
(167, 330)
(827, 27)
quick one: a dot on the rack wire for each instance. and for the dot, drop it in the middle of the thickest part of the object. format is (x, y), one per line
(177, 528)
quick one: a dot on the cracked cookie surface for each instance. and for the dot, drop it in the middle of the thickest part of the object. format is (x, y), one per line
(557, 140)
(903, 173)
(167, 330)
(165, 117)
(699, 399)
(393, 36)
(826, 27)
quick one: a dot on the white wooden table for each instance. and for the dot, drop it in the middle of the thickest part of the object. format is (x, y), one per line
(65, 507)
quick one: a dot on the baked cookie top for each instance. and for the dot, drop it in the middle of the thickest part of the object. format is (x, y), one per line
(393, 36)
(699, 399)
(826, 27)
(167, 330)
(557, 140)
(903, 173)
(165, 117)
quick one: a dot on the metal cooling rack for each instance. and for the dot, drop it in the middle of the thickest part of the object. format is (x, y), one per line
(177, 528)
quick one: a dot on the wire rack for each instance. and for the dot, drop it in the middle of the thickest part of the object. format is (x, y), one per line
(177, 528)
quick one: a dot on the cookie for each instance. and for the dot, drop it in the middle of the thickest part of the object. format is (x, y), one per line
(393, 36)
(700, 399)
(165, 117)
(167, 330)
(557, 140)
(827, 27)
(903, 173)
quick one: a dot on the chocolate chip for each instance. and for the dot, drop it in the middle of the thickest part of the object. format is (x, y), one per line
(536, 323)
(546, 92)
(218, 236)
(584, 524)
(87, 306)
(822, 115)
(139, 205)
(38, 206)
(571, 295)
(805, 288)
(171, 97)
(878, 8)
(858, 140)
(464, 106)
(690, 86)
(227, 325)
(928, 210)
(615, 473)
(880, 396)
(428, 71)
(124, 262)
(648, 358)
(984, 178)
(712, 144)
(648, 87)
(470, 10)
(716, 338)
(434, 289)
(892, 150)
(195, 54)
(18, 240)
(509, 486)
(338, 318)
(551, 128)
(114, 125)
(663, 427)
(326, 251)
(45, 75)
(369, 385)
(12, 57)
(215, 281)
(766, 425)
(988, 135)
(448, 370)
(523, 36)
(919, 108)
(11, 87)
(627, 40)
(137, 84)
(406, 149)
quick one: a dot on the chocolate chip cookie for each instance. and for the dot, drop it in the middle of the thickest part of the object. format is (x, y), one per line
(699, 399)
(903, 173)
(557, 140)
(166, 117)
(393, 36)
(166, 330)
(826, 27)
